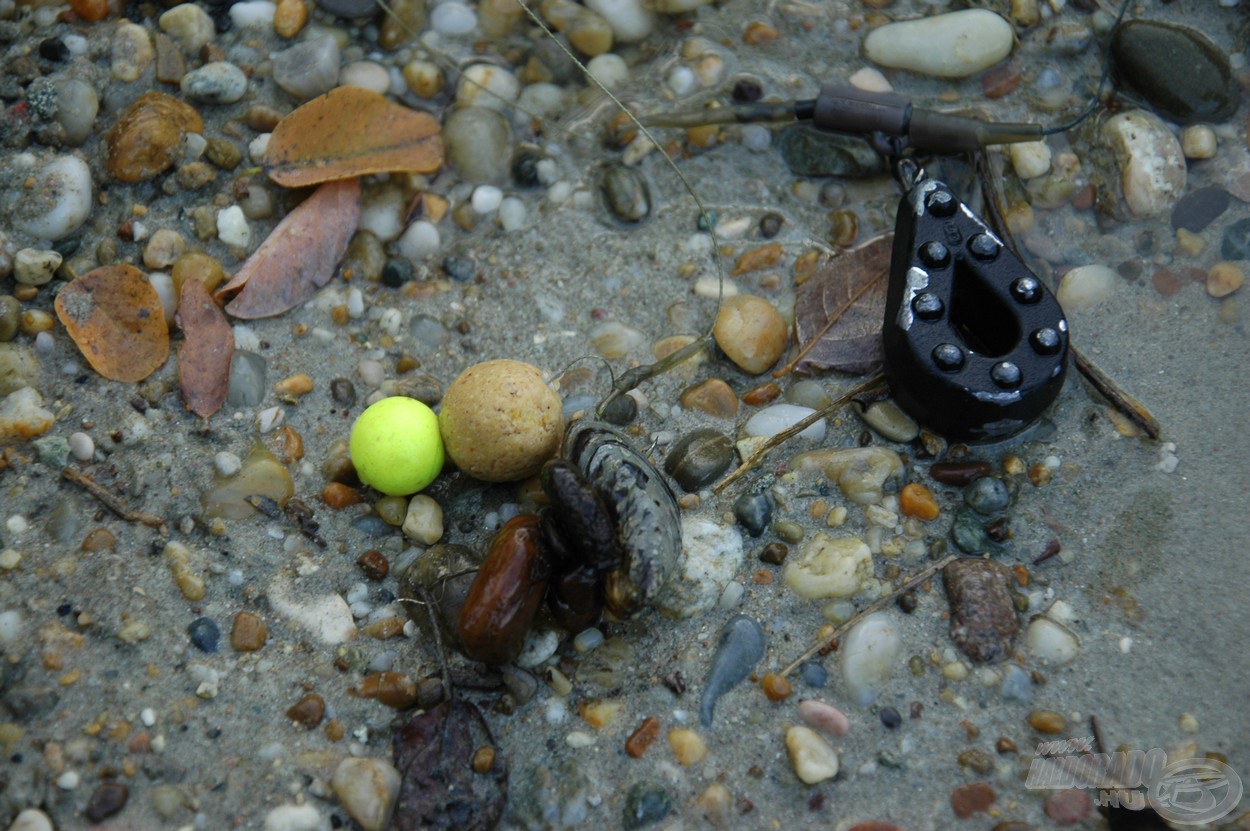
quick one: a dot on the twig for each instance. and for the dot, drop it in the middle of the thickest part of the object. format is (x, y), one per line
(760, 452)
(876, 605)
(1125, 404)
(112, 502)
(428, 603)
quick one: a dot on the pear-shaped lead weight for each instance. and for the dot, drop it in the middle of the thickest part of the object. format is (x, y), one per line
(975, 345)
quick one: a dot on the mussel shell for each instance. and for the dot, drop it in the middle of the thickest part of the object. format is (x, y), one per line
(643, 506)
(584, 525)
(575, 598)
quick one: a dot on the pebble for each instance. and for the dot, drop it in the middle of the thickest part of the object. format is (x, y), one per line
(917, 501)
(973, 798)
(420, 242)
(625, 193)
(1069, 807)
(609, 69)
(699, 458)
(57, 201)
(293, 818)
(478, 144)
(1030, 159)
(232, 227)
(12, 627)
(1183, 75)
(190, 26)
(423, 522)
(867, 656)
(204, 634)
(248, 632)
(824, 717)
(366, 788)
(811, 394)
(952, 45)
(108, 799)
(739, 649)
(1086, 286)
(32, 267)
(31, 819)
(1051, 641)
(77, 105)
(1198, 142)
(81, 446)
(254, 13)
(1224, 278)
(688, 746)
(540, 794)
(630, 20)
(19, 367)
(218, 82)
(809, 152)
(487, 85)
(22, 416)
(861, 472)
(827, 567)
(452, 19)
(1047, 722)
(366, 75)
(486, 199)
(1150, 161)
(711, 554)
(982, 614)
(987, 496)
(889, 421)
(308, 69)
(614, 340)
(326, 616)
(646, 803)
(130, 52)
(812, 758)
(754, 512)
(751, 332)
(814, 675)
(713, 397)
(959, 473)
(969, 534)
(247, 379)
(772, 420)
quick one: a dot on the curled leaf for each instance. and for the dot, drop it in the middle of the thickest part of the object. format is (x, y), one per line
(117, 321)
(838, 312)
(207, 346)
(299, 256)
(351, 132)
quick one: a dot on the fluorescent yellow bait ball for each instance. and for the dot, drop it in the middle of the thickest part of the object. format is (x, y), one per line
(396, 446)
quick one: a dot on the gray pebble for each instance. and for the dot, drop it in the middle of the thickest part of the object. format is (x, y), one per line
(10, 317)
(625, 193)
(968, 533)
(428, 332)
(66, 521)
(740, 648)
(76, 107)
(1199, 208)
(53, 451)
(1185, 77)
(215, 83)
(809, 152)
(754, 512)
(889, 421)
(478, 142)
(349, 8)
(309, 69)
(987, 496)
(520, 683)
(646, 803)
(1236, 242)
(698, 458)
(808, 393)
(540, 795)
(247, 379)
(343, 392)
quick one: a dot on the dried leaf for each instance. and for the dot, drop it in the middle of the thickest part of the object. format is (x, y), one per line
(351, 132)
(299, 256)
(838, 312)
(207, 346)
(434, 754)
(115, 317)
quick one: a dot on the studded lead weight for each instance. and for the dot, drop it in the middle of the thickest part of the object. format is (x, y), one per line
(975, 345)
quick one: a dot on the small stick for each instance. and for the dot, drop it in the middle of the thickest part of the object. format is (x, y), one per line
(112, 502)
(1127, 405)
(760, 452)
(428, 602)
(876, 605)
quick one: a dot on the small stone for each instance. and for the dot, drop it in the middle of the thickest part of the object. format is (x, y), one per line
(824, 717)
(625, 193)
(754, 511)
(987, 496)
(1069, 807)
(1086, 286)
(630, 20)
(77, 105)
(232, 227)
(861, 472)
(774, 553)
(130, 52)
(148, 135)
(1150, 161)
(890, 421)
(453, 18)
(1224, 278)
(642, 738)
(917, 501)
(1199, 208)
(982, 614)
(739, 649)
(338, 496)
(55, 203)
(772, 420)
(713, 397)
(1198, 142)
(423, 522)
(248, 633)
(190, 26)
(163, 249)
(868, 656)
(699, 458)
(373, 564)
(751, 332)
(1048, 722)
(367, 789)
(32, 267)
(293, 817)
(478, 143)
(308, 69)
(811, 756)
(204, 634)
(218, 82)
(10, 320)
(646, 803)
(959, 473)
(973, 798)
(829, 567)
(291, 16)
(368, 75)
(108, 799)
(1185, 77)
(308, 711)
(776, 687)
(1030, 159)
(952, 45)
(31, 819)
(687, 745)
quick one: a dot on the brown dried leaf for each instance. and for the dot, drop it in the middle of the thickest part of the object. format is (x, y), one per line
(115, 317)
(299, 256)
(351, 132)
(207, 346)
(838, 312)
(434, 755)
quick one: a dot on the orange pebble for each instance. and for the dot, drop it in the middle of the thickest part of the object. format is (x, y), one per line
(776, 687)
(339, 496)
(916, 500)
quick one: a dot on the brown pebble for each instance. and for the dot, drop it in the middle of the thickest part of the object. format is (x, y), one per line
(373, 564)
(91, 11)
(1005, 745)
(387, 627)
(975, 797)
(982, 614)
(289, 18)
(1167, 282)
(774, 553)
(751, 332)
(713, 397)
(1047, 721)
(959, 473)
(761, 395)
(642, 737)
(248, 633)
(483, 759)
(261, 118)
(765, 256)
(287, 444)
(1069, 807)
(106, 800)
(99, 539)
(1223, 279)
(140, 742)
(977, 760)
(147, 136)
(335, 730)
(394, 689)
(776, 687)
(1039, 475)
(308, 711)
(197, 265)
(971, 731)
(294, 386)
(759, 34)
(338, 496)
(688, 746)
(918, 501)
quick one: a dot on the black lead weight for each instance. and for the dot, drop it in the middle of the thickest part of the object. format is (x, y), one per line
(975, 345)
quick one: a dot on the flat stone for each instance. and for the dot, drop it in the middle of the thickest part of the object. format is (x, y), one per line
(1184, 76)
(983, 617)
(952, 45)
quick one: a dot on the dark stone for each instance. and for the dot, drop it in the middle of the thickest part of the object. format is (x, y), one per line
(770, 224)
(372, 525)
(814, 675)
(983, 616)
(646, 803)
(1178, 70)
(754, 512)
(396, 272)
(460, 269)
(53, 49)
(740, 648)
(746, 90)
(625, 193)
(620, 411)
(774, 553)
(968, 533)
(204, 634)
(809, 152)
(350, 9)
(343, 392)
(987, 496)
(1236, 244)
(890, 717)
(959, 473)
(698, 458)
(1197, 209)
(525, 167)
(106, 800)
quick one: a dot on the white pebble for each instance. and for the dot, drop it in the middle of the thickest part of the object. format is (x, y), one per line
(257, 146)
(232, 227)
(252, 13)
(423, 523)
(756, 137)
(486, 199)
(148, 716)
(827, 567)
(1198, 142)
(382, 213)
(366, 75)
(81, 446)
(17, 524)
(870, 80)
(731, 596)
(68, 780)
(681, 80)
(1030, 159)
(12, 625)
(62, 188)
(44, 343)
(269, 419)
(163, 284)
(1051, 641)
(31, 819)
(540, 644)
(867, 656)
(588, 640)
(1086, 286)
(772, 420)
(629, 20)
(293, 817)
(1150, 161)
(810, 755)
(366, 788)
(355, 303)
(487, 85)
(608, 69)
(512, 214)
(450, 19)
(952, 45)
(33, 267)
(420, 242)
